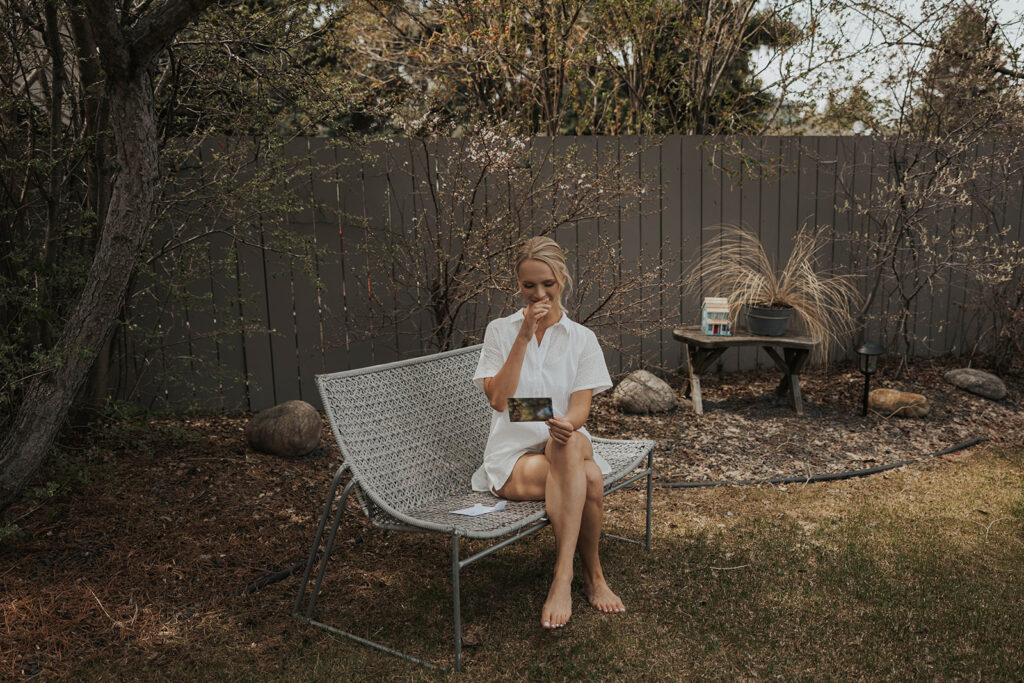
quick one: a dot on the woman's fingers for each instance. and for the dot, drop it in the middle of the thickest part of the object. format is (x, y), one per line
(560, 430)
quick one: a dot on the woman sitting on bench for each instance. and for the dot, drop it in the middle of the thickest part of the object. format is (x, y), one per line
(538, 352)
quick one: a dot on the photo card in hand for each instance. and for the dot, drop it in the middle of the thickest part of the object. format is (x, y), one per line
(530, 409)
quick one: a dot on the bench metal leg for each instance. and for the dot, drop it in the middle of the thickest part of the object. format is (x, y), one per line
(319, 535)
(650, 487)
(456, 603)
(325, 556)
(457, 564)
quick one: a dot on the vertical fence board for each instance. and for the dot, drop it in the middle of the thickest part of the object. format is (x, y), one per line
(789, 200)
(307, 311)
(650, 243)
(692, 241)
(629, 231)
(330, 271)
(939, 328)
(750, 176)
(826, 214)
(842, 183)
(807, 182)
(144, 312)
(375, 278)
(731, 176)
(201, 325)
(874, 158)
(670, 192)
(352, 251)
(608, 231)
(563, 151)
(258, 357)
(307, 322)
(405, 290)
(426, 211)
(859, 196)
(281, 318)
(892, 307)
(230, 347)
(770, 206)
(587, 240)
(957, 288)
(711, 218)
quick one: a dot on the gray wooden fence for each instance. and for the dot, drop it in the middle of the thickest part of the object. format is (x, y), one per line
(772, 185)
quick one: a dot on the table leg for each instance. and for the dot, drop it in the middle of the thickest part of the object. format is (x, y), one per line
(783, 386)
(693, 390)
(790, 366)
(795, 359)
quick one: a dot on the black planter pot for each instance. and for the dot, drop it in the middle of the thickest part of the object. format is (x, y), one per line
(768, 322)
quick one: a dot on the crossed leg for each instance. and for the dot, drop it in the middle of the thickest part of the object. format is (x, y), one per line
(566, 477)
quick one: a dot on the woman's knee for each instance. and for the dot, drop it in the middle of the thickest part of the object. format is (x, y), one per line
(576, 450)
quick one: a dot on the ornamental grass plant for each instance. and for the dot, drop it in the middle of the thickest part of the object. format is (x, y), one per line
(738, 268)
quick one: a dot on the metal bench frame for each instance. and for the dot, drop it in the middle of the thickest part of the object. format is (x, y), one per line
(340, 393)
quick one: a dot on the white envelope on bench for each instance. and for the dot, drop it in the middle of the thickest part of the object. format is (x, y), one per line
(480, 509)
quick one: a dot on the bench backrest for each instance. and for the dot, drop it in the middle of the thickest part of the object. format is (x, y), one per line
(412, 431)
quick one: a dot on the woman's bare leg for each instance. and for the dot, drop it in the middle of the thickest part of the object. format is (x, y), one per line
(565, 495)
(576, 527)
(594, 585)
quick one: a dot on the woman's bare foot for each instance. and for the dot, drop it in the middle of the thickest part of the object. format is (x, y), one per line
(558, 607)
(601, 596)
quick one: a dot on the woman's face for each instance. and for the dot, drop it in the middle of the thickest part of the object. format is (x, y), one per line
(537, 282)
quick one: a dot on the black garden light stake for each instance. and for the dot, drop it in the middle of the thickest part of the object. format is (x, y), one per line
(869, 353)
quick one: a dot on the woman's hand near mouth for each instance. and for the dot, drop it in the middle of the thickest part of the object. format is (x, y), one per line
(534, 313)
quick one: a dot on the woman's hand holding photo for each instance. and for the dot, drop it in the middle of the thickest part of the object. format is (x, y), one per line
(560, 429)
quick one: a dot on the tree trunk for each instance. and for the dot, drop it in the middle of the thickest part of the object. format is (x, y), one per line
(126, 227)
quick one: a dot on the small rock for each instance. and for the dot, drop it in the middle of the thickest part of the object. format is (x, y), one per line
(978, 382)
(890, 402)
(290, 429)
(642, 392)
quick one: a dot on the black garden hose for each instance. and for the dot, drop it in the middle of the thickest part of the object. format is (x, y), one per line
(834, 476)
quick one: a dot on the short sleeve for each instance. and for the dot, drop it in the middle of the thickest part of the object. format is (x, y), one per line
(592, 372)
(492, 356)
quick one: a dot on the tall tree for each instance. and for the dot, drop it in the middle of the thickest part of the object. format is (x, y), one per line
(966, 75)
(578, 66)
(127, 42)
(951, 121)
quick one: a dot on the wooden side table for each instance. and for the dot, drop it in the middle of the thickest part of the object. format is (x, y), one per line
(702, 350)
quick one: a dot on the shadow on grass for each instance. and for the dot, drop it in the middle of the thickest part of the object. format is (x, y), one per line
(885, 578)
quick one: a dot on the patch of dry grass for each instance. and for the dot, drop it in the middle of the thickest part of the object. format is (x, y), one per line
(912, 574)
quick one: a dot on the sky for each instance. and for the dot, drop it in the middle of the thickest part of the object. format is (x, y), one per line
(862, 36)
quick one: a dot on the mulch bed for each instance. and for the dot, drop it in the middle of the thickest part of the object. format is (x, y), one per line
(749, 433)
(162, 525)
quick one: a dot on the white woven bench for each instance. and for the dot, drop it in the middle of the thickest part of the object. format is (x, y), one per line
(411, 435)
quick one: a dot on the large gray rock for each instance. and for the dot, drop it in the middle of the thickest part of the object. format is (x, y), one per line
(642, 392)
(978, 382)
(290, 429)
(890, 402)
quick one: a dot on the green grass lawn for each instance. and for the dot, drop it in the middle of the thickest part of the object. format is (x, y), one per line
(915, 574)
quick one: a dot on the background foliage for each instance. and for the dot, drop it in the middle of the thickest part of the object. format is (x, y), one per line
(939, 82)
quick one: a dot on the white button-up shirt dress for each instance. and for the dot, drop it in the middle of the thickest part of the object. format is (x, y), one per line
(567, 360)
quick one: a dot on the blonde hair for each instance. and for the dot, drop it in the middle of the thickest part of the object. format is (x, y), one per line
(547, 251)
